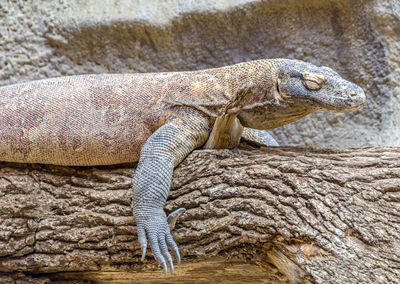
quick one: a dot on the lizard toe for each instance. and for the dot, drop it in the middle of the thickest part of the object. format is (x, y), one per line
(171, 243)
(142, 240)
(172, 217)
(155, 248)
(165, 252)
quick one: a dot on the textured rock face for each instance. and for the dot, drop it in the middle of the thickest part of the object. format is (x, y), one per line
(253, 215)
(360, 39)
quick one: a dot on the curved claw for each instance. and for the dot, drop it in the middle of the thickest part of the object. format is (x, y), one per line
(173, 245)
(172, 217)
(155, 247)
(143, 253)
(171, 265)
(142, 240)
(164, 265)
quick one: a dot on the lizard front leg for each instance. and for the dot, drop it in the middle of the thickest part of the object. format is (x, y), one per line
(259, 137)
(163, 151)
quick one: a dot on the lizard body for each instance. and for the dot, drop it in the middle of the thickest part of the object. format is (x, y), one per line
(157, 119)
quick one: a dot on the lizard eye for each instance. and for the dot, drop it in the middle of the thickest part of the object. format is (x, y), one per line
(312, 81)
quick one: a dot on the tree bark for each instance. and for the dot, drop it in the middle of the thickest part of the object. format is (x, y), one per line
(278, 214)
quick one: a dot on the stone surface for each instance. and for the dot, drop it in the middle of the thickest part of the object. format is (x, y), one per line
(360, 39)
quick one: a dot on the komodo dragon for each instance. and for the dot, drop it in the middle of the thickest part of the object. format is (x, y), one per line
(157, 119)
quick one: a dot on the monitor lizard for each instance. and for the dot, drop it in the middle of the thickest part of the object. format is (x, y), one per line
(157, 119)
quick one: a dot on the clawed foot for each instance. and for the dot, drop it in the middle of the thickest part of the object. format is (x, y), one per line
(155, 224)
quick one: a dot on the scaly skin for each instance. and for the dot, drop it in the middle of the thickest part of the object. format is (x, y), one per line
(157, 119)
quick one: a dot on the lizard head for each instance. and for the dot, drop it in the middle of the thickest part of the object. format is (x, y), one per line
(300, 88)
(320, 88)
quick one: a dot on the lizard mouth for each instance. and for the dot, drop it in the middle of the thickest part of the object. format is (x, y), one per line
(343, 104)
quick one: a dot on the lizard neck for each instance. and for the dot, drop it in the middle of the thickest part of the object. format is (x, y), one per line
(262, 73)
(209, 90)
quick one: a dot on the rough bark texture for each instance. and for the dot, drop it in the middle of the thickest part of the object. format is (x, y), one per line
(255, 214)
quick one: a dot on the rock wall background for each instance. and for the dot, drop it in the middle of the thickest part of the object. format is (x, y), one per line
(359, 39)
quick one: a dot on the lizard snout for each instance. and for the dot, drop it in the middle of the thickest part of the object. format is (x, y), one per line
(357, 97)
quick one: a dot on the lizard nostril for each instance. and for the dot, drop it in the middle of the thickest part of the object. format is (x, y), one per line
(353, 94)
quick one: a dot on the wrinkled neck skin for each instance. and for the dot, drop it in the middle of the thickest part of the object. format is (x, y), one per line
(267, 108)
(272, 116)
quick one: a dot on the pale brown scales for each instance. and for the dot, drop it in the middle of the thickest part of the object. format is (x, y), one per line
(103, 119)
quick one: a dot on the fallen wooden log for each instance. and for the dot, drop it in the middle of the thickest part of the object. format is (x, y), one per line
(258, 214)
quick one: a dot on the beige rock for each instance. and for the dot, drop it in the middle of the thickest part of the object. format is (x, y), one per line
(360, 39)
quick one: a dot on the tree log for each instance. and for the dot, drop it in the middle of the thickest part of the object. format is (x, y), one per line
(279, 214)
